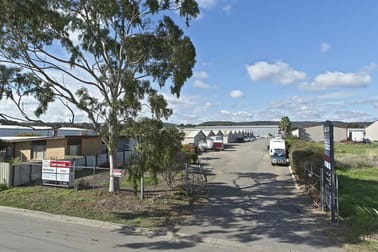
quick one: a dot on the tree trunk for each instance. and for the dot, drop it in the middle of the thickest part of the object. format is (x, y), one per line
(114, 185)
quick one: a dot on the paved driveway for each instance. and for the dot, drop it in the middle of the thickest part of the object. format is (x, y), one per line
(254, 206)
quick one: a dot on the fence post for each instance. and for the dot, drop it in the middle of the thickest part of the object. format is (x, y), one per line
(13, 169)
(186, 178)
(322, 189)
(30, 173)
(94, 174)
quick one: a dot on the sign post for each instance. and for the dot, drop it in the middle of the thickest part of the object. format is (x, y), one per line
(328, 178)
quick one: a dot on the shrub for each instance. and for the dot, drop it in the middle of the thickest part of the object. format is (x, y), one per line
(82, 184)
(301, 152)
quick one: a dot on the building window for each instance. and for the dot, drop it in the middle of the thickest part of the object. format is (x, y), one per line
(73, 146)
(38, 150)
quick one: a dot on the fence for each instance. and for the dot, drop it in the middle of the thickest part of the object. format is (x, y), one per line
(313, 176)
(312, 182)
(195, 179)
(26, 173)
(89, 174)
(16, 175)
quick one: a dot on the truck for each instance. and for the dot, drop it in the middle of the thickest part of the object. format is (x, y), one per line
(277, 145)
(217, 142)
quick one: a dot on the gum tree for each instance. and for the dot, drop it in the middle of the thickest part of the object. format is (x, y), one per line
(104, 58)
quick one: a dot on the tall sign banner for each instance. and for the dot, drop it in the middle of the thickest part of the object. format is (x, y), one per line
(328, 183)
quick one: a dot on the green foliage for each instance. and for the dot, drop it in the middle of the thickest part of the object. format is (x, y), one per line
(285, 125)
(3, 186)
(113, 56)
(82, 184)
(303, 151)
(358, 203)
(156, 151)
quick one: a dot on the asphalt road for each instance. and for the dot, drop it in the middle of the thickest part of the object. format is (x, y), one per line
(255, 206)
(252, 206)
(28, 231)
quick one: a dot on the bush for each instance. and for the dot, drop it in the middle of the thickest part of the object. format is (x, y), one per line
(301, 152)
(82, 184)
(3, 187)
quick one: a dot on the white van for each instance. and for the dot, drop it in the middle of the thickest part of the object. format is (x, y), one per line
(277, 144)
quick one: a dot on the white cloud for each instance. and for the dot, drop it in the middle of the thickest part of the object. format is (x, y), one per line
(198, 81)
(338, 79)
(201, 75)
(324, 47)
(207, 4)
(227, 9)
(236, 94)
(278, 72)
(201, 84)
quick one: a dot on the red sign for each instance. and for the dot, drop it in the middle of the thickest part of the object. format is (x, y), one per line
(63, 164)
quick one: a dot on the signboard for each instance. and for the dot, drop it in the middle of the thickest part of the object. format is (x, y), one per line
(328, 178)
(117, 172)
(58, 173)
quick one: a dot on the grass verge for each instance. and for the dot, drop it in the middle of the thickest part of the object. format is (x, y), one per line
(357, 168)
(159, 208)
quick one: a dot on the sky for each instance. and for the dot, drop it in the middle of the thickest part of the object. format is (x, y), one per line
(260, 60)
(265, 59)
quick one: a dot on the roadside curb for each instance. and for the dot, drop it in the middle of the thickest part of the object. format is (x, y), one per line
(69, 219)
(168, 235)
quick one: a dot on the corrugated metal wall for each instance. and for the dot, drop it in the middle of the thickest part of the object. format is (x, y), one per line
(5, 174)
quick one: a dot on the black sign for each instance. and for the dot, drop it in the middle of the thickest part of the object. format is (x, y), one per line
(329, 171)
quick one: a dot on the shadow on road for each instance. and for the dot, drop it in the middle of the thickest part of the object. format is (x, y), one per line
(254, 209)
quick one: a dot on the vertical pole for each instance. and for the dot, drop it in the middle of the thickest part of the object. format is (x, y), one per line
(332, 158)
(186, 179)
(142, 186)
(322, 189)
(94, 174)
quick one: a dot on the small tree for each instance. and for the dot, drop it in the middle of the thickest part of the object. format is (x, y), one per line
(156, 150)
(105, 58)
(172, 156)
(285, 125)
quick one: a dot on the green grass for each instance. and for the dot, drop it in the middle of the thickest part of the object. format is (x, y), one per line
(358, 189)
(357, 169)
(157, 209)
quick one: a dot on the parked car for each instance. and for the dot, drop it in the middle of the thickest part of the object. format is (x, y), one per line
(279, 158)
(202, 146)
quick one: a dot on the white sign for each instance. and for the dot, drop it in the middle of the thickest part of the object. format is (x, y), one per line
(56, 172)
(117, 172)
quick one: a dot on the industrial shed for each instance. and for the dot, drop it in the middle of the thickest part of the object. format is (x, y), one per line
(16, 130)
(193, 136)
(316, 133)
(372, 131)
(208, 133)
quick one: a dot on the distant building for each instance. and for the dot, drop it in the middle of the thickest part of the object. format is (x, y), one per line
(356, 134)
(16, 130)
(57, 147)
(316, 133)
(67, 131)
(372, 131)
(193, 136)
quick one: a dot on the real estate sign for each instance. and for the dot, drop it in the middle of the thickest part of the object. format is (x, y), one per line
(328, 178)
(58, 173)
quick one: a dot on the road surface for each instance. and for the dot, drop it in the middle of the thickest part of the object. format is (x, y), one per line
(252, 206)
(255, 206)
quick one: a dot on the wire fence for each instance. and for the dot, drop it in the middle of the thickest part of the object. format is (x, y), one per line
(195, 179)
(312, 182)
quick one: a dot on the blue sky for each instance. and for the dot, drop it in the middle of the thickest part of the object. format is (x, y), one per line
(262, 60)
